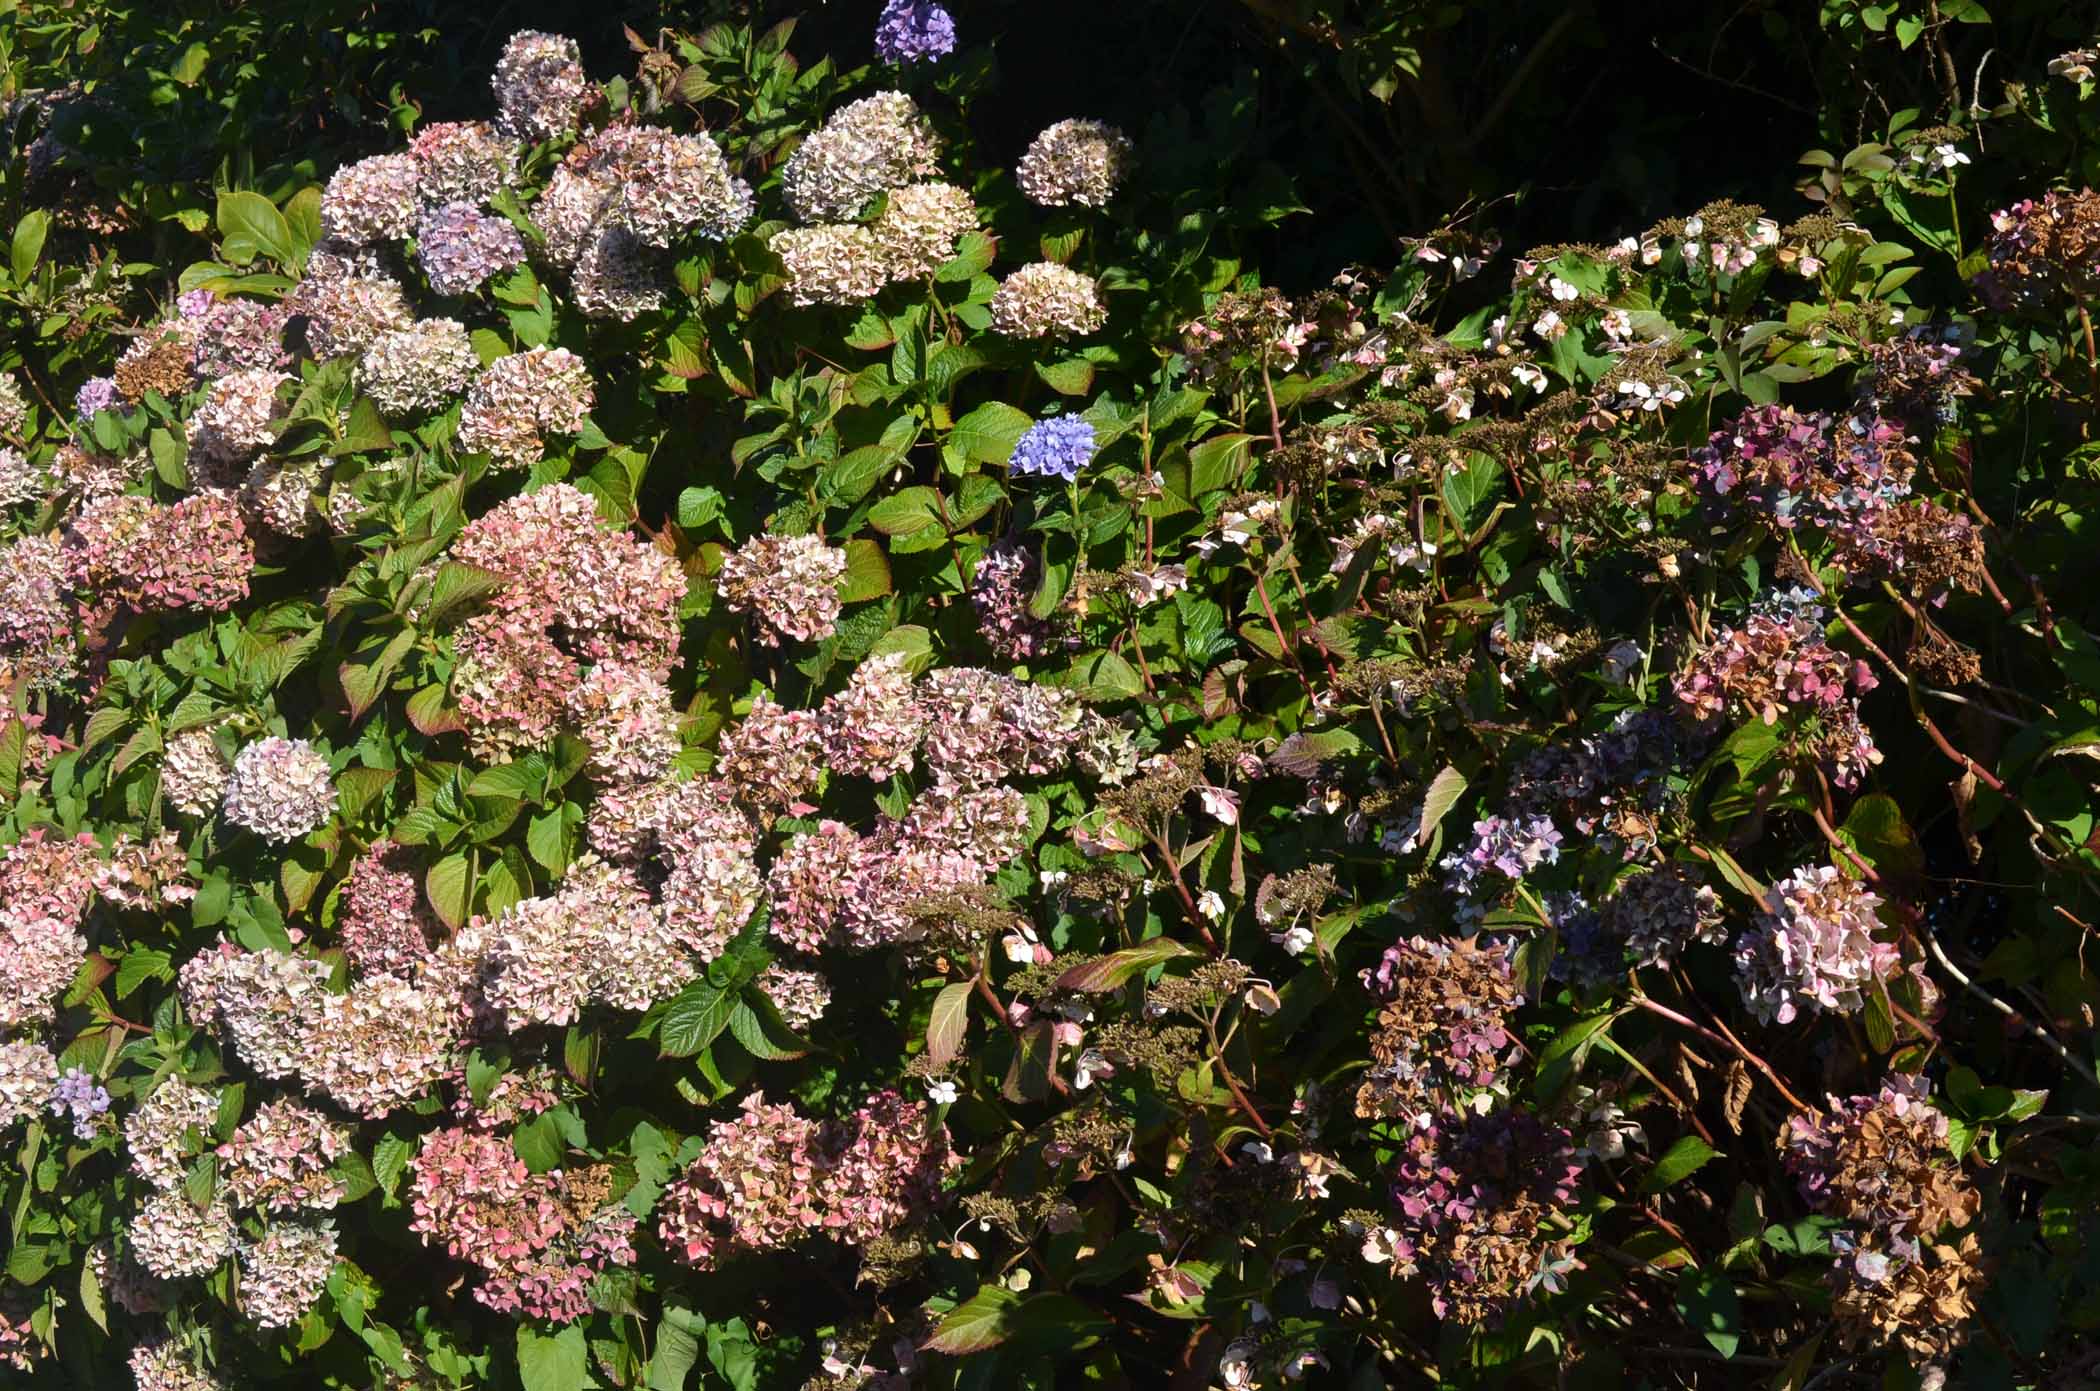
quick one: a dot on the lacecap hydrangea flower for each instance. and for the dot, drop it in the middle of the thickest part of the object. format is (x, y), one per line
(1056, 448)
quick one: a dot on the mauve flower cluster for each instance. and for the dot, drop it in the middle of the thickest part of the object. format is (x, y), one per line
(20, 480)
(280, 789)
(374, 199)
(1046, 300)
(1845, 476)
(597, 938)
(1611, 786)
(831, 264)
(540, 86)
(539, 1239)
(774, 757)
(176, 1239)
(1475, 1194)
(28, 1077)
(342, 315)
(80, 1098)
(1779, 663)
(519, 399)
(238, 335)
(1055, 448)
(36, 614)
(912, 31)
(2043, 252)
(281, 1158)
(193, 774)
(623, 194)
(462, 161)
(96, 394)
(672, 184)
(575, 590)
(14, 406)
(790, 582)
(382, 926)
(1813, 945)
(873, 727)
(845, 263)
(1882, 1164)
(380, 1045)
(39, 954)
(1075, 161)
(919, 226)
(168, 1129)
(1002, 589)
(284, 1271)
(771, 1177)
(1657, 913)
(130, 552)
(871, 146)
(233, 422)
(162, 1365)
(1511, 847)
(20, 1348)
(625, 715)
(1443, 1029)
(460, 247)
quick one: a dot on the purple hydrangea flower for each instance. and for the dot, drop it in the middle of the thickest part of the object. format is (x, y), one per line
(1058, 447)
(81, 1097)
(912, 30)
(195, 304)
(95, 394)
(461, 247)
(1511, 846)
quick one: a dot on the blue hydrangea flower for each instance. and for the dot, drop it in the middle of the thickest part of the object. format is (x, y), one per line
(81, 1097)
(95, 394)
(912, 30)
(1058, 447)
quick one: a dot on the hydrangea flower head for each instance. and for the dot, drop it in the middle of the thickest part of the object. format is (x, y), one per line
(912, 31)
(1057, 448)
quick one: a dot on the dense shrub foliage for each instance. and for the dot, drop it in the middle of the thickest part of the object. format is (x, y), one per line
(721, 727)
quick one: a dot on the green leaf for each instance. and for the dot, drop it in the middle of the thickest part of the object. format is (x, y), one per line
(982, 1321)
(553, 1361)
(1444, 791)
(538, 1143)
(250, 223)
(522, 779)
(948, 1023)
(696, 1017)
(28, 243)
(988, 434)
(1708, 1304)
(449, 884)
(678, 1335)
(1560, 1062)
(1108, 972)
(756, 1024)
(1470, 493)
(906, 513)
(142, 964)
(389, 1161)
(1678, 1162)
(867, 572)
(1218, 463)
(1104, 676)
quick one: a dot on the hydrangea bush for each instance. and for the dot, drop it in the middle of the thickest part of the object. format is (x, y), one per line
(705, 729)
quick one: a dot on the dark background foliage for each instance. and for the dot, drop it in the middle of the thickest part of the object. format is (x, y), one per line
(1576, 120)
